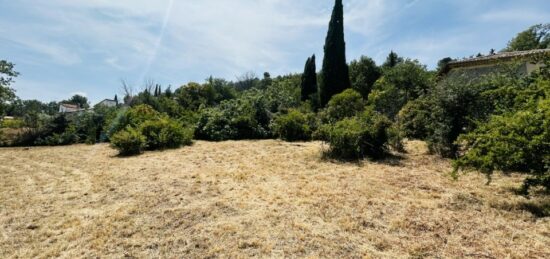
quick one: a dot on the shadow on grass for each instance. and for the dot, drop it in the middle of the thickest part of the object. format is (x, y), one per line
(389, 159)
(539, 209)
(537, 203)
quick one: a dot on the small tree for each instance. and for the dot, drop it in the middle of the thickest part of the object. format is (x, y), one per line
(364, 73)
(309, 80)
(79, 100)
(6, 78)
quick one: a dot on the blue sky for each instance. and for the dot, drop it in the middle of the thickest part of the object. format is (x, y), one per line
(63, 47)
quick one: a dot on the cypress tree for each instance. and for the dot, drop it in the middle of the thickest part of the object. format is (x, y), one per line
(392, 60)
(335, 73)
(309, 79)
(116, 100)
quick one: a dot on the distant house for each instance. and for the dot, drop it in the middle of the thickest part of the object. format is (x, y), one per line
(107, 103)
(69, 108)
(486, 64)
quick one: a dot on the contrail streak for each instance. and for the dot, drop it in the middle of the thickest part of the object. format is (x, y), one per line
(158, 43)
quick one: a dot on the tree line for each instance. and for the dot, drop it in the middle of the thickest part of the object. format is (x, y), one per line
(494, 122)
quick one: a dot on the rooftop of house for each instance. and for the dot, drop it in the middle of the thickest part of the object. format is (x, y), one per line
(503, 56)
(71, 106)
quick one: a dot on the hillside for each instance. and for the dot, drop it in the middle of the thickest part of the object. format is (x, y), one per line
(257, 198)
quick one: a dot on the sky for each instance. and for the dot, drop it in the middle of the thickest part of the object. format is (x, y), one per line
(67, 47)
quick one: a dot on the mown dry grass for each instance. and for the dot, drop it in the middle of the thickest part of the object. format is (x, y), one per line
(256, 198)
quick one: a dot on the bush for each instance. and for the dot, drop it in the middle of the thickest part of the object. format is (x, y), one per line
(357, 137)
(243, 118)
(405, 82)
(414, 119)
(344, 105)
(461, 102)
(13, 124)
(363, 74)
(132, 117)
(294, 126)
(518, 141)
(386, 98)
(128, 141)
(165, 133)
(67, 137)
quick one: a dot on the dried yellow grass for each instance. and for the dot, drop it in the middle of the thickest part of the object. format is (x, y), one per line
(256, 199)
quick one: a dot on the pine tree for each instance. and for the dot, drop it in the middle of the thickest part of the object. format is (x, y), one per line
(309, 79)
(335, 74)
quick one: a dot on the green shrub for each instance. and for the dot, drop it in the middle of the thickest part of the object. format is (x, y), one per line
(400, 84)
(132, 117)
(344, 105)
(243, 118)
(67, 137)
(128, 141)
(395, 138)
(461, 102)
(414, 119)
(518, 141)
(13, 124)
(386, 98)
(363, 74)
(357, 137)
(165, 133)
(294, 126)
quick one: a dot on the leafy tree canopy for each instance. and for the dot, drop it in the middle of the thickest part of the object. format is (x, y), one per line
(536, 37)
(7, 74)
(81, 101)
(364, 73)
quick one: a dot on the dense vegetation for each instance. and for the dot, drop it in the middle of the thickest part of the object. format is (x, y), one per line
(498, 121)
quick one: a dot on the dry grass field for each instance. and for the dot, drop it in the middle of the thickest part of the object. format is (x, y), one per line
(257, 199)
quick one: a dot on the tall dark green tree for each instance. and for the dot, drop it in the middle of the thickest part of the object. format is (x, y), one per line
(335, 74)
(309, 79)
(392, 60)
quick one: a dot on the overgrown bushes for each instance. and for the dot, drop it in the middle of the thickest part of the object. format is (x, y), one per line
(12, 124)
(129, 141)
(364, 135)
(294, 126)
(164, 133)
(343, 105)
(514, 141)
(243, 118)
(147, 129)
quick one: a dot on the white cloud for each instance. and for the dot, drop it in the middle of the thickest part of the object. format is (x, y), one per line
(521, 14)
(105, 40)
